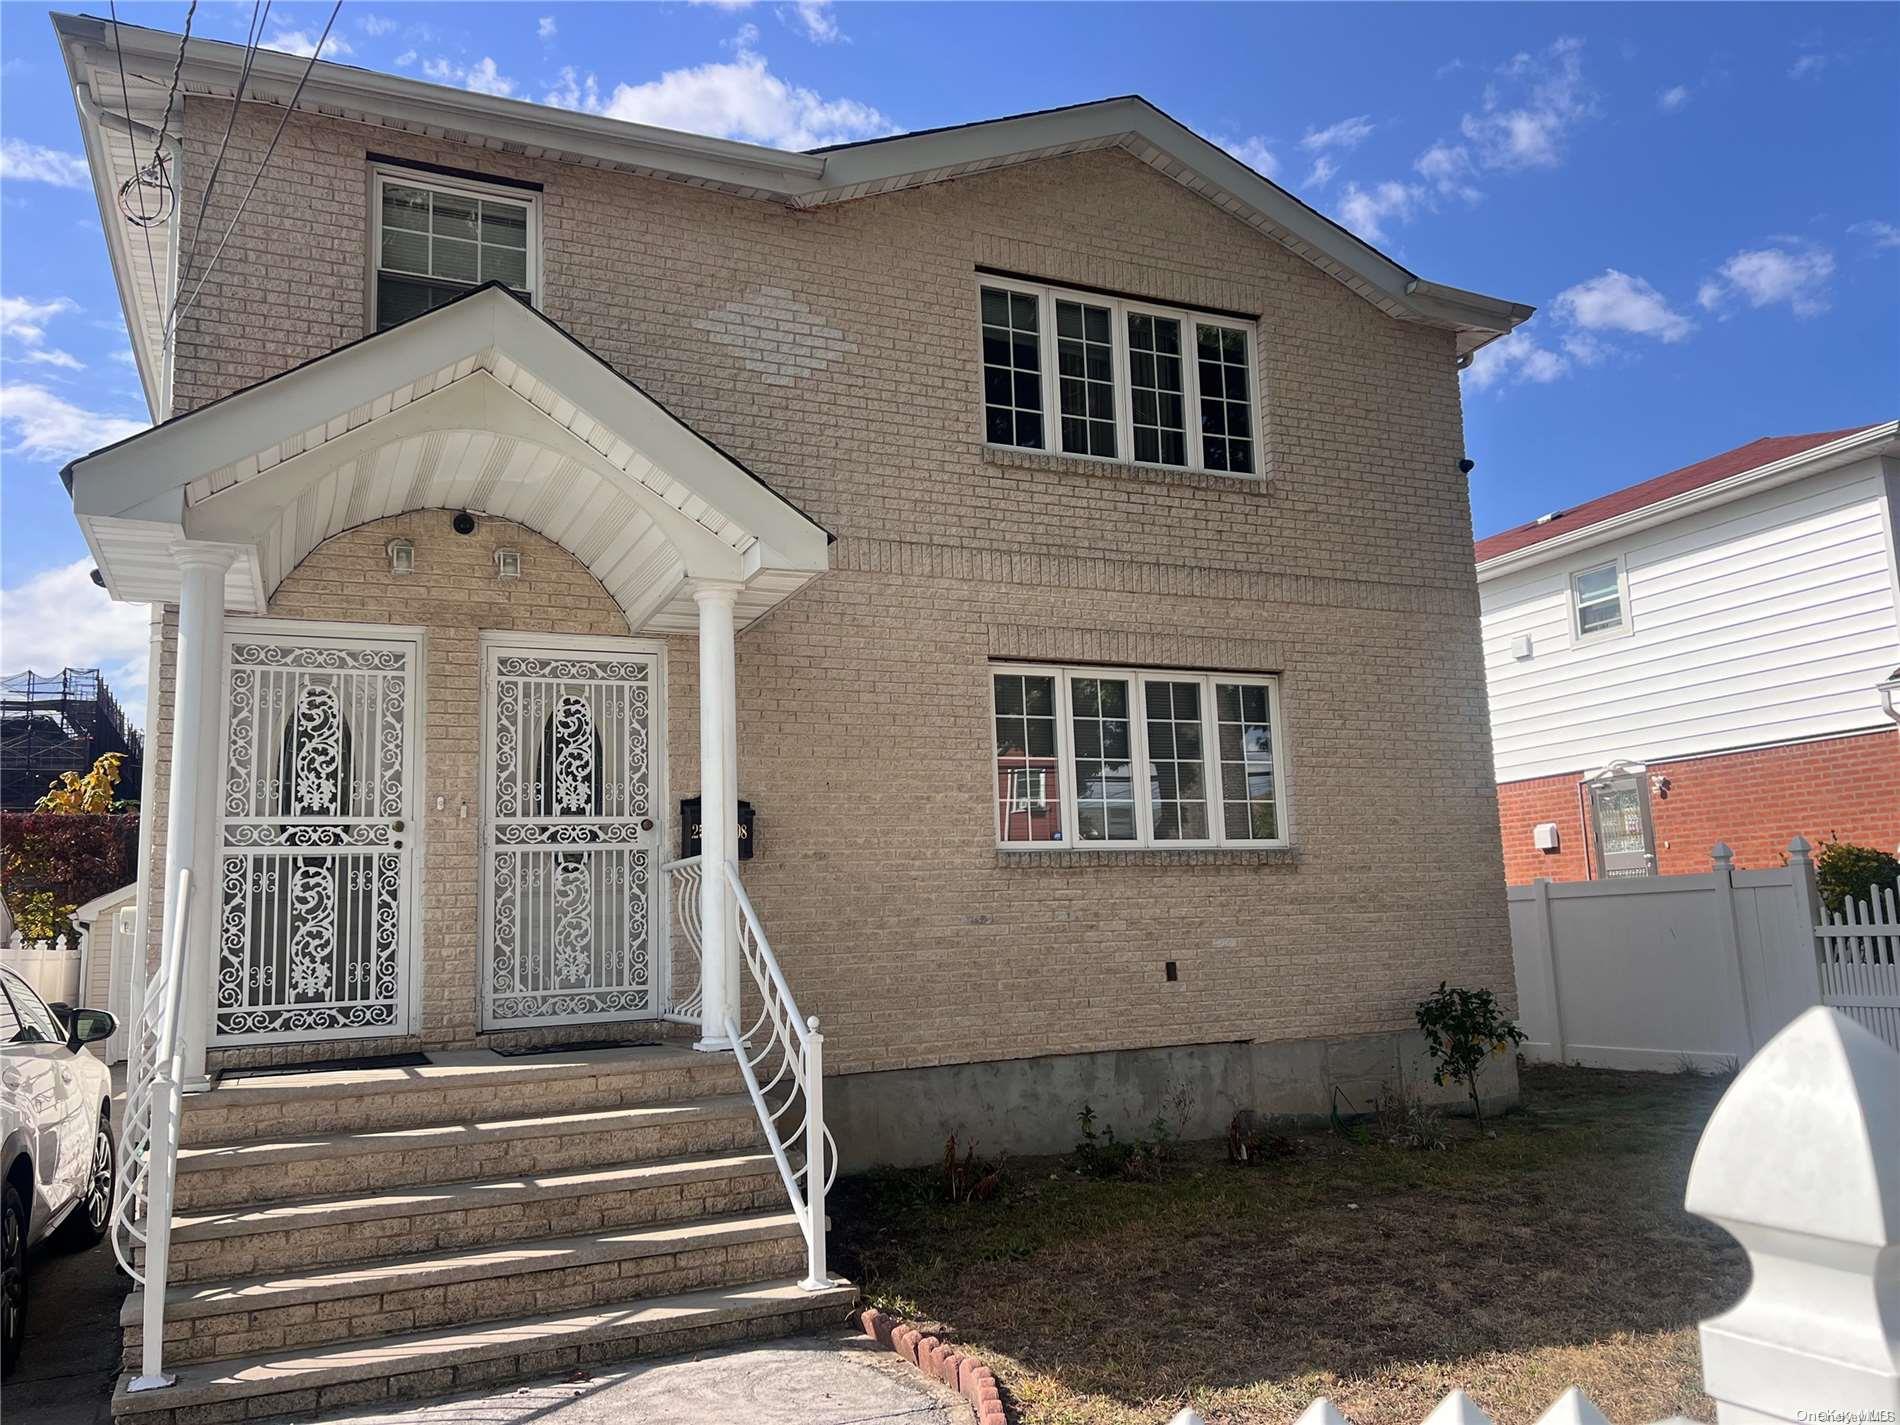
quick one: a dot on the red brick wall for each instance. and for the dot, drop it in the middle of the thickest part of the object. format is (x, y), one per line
(1755, 801)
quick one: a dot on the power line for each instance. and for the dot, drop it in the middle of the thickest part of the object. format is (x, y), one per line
(259, 16)
(171, 95)
(179, 312)
(125, 99)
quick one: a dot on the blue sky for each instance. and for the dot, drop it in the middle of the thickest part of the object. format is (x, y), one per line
(1702, 200)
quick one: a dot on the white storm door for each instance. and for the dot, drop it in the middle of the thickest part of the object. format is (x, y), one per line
(316, 856)
(574, 749)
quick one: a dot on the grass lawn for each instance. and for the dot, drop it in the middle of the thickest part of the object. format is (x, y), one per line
(1555, 1253)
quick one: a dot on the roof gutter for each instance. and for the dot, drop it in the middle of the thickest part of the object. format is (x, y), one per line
(1817, 461)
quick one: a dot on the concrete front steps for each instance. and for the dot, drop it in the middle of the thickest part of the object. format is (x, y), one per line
(409, 1232)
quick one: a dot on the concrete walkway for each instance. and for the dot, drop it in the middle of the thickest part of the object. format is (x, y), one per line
(70, 1358)
(826, 1380)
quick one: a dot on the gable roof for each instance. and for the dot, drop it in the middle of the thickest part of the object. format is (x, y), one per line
(93, 49)
(1743, 459)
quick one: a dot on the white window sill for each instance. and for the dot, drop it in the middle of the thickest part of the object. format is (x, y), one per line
(1072, 857)
(1097, 467)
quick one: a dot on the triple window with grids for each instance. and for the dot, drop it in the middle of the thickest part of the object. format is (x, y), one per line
(436, 239)
(1132, 758)
(1077, 373)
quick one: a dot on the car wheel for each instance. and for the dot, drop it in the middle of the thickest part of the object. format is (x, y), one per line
(88, 1223)
(12, 1277)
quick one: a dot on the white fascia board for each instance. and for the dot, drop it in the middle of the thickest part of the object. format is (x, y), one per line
(213, 66)
(1817, 461)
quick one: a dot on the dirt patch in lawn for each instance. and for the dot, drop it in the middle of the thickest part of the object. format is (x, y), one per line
(1554, 1253)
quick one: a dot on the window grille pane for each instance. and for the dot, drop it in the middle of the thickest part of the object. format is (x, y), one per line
(455, 238)
(1249, 806)
(1085, 365)
(1029, 801)
(405, 207)
(455, 261)
(503, 264)
(1105, 776)
(405, 251)
(1596, 617)
(504, 224)
(1155, 383)
(1226, 427)
(1012, 369)
(1177, 789)
(454, 216)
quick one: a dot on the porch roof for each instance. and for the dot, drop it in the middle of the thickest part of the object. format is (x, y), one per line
(482, 405)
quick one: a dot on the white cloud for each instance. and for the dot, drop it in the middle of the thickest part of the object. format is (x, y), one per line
(1794, 273)
(35, 163)
(406, 58)
(1808, 66)
(726, 4)
(376, 24)
(1513, 360)
(45, 426)
(482, 77)
(25, 320)
(59, 619)
(572, 91)
(814, 17)
(1619, 302)
(737, 99)
(1369, 211)
(1347, 133)
(1253, 152)
(1882, 235)
(1524, 121)
(1674, 99)
(1448, 168)
(545, 28)
(53, 356)
(302, 42)
(1324, 167)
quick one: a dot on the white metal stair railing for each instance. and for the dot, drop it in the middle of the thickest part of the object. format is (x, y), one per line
(782, 1043)
(679, 882)
(148, 1142)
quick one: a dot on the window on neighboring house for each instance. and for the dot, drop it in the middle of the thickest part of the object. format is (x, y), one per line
(437, 240)
(1597, 595)
(1012, 368)
(1121, 758)
(1120, 380)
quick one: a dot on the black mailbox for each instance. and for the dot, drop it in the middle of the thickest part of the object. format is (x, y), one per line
(689, 828)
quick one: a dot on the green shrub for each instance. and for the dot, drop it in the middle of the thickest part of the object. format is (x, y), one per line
(1844, 872)
(1463, 1029)
(1101, 1154)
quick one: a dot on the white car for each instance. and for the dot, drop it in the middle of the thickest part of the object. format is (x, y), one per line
(59, 1160)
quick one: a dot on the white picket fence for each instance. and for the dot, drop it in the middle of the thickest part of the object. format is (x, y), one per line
(1800, 1163)
(49, 966)
(1859, 951)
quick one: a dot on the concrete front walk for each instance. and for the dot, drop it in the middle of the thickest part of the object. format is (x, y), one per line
(840, 1379)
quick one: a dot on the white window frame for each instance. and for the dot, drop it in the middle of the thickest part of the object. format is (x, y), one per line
(383, 174)
(1138, 679)
(1574, 608)
(1120, 308)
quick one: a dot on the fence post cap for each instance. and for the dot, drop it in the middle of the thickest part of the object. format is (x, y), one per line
(1457, 1409)
(1799, 846)
(1807, 1138)
(1573, 1407)
(1721, 854)
(1320, 1412)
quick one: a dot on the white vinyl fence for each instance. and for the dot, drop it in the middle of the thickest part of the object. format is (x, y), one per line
(1800, 1163)
(1859, 951)
(49, 966)
(1665, 972)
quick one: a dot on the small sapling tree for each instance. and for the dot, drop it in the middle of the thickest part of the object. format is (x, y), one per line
(1463, 1029)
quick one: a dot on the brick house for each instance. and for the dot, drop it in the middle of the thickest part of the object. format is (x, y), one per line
(1705, 656)
(1052, 529)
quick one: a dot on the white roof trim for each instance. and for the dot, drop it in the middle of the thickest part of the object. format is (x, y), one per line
(1876, 440)
(751, 171)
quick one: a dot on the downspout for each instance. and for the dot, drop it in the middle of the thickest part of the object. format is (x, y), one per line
(158, 384)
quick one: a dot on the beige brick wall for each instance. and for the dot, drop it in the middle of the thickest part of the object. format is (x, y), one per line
(864, 732)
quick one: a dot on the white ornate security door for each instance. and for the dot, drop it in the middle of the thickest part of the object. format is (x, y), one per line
(316, 851)
(569, 832)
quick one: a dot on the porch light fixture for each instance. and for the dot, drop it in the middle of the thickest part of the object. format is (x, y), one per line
(402, 557)
(507, 563)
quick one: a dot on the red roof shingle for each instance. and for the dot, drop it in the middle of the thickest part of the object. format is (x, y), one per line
(1743, 458)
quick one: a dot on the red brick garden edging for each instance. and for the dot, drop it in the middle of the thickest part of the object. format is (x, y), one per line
(967, 1376)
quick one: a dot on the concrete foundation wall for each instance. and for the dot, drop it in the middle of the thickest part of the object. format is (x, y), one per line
(902, 1117)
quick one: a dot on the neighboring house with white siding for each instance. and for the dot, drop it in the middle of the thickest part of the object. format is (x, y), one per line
(1699, 657)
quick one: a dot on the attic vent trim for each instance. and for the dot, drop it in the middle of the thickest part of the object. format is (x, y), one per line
(1546, 519)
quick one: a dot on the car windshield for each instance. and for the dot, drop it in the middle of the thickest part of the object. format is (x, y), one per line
(30, 1020)
(9, 1021)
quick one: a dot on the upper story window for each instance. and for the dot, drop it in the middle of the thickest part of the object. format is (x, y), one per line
(438, 238)
(1599, 600)
(1119, 380)
(1116, 757)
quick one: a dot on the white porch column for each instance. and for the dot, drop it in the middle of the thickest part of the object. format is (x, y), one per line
(719, 811)
(191, 807)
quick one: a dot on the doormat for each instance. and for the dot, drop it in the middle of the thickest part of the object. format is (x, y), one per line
(333, 1066)
(578, 1046)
